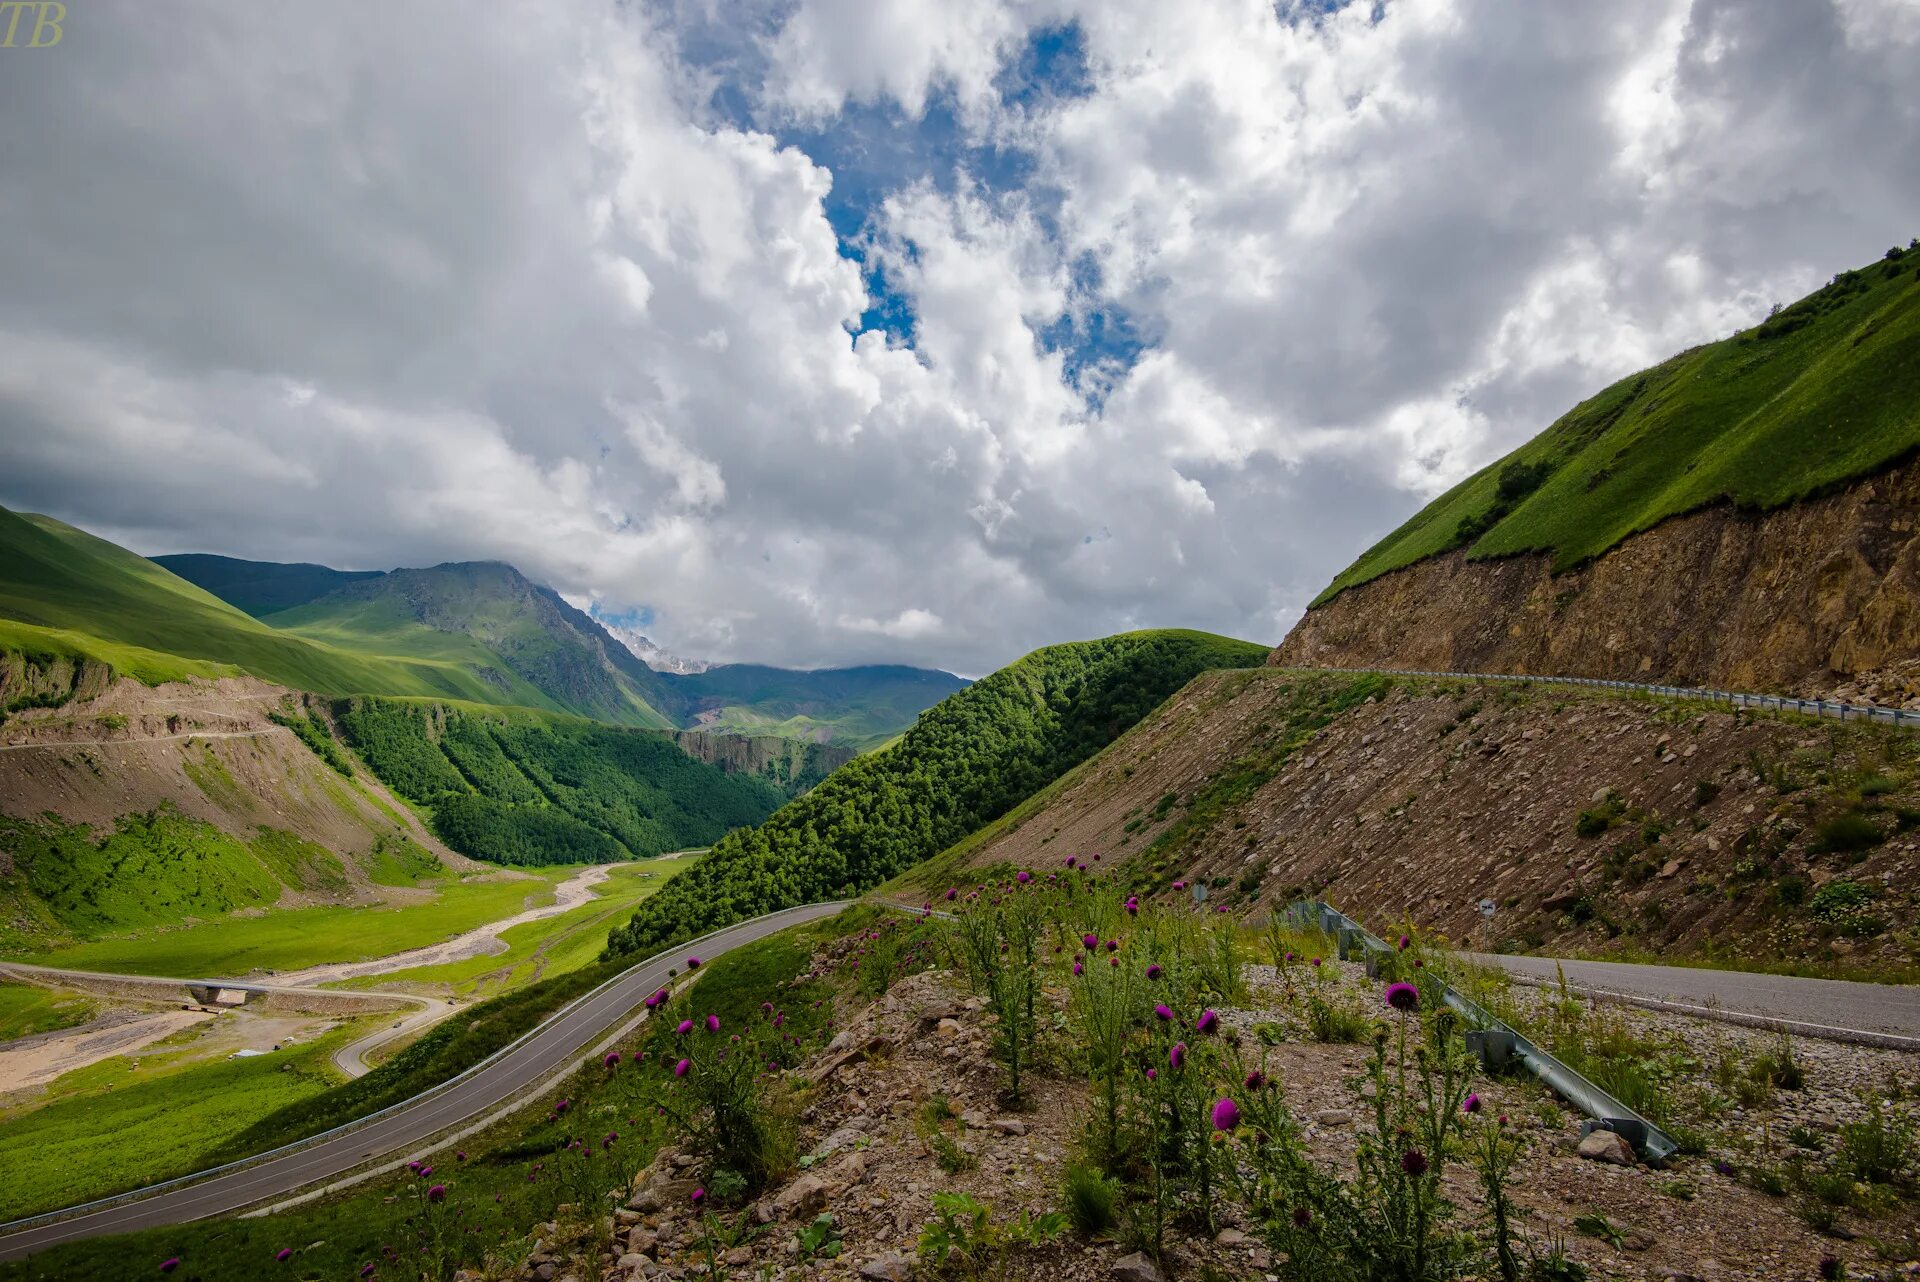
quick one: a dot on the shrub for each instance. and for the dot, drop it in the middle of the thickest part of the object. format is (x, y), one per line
(1879, 1148)
(1840, 899)
(1089, 1196)
(1704, 791)
(1847, 832)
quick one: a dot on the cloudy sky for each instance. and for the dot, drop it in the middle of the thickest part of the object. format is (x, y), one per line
(828, 331)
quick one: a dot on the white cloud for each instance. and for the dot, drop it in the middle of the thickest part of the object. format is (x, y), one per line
(280, 287)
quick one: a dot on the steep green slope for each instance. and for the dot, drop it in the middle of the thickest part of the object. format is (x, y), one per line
(490, 617)
(1823, 392)
(260, 587)
(963, 763)
(86, 597)
(521, 788)
(862, 707)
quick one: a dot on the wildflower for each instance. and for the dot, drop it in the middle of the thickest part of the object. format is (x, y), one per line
(952, 894)
(1290, 956)
(1226, 1115)
(612, 1060)
(1403, 997)
(693, 963)
(612, 1138)
(1024, 877)
(1255, 1080)
(1316, 961)
(685, 1027)
(1163, 1010)
(1414, 1162)
(1405, 943)
(425, 1171)
(680, 1069)
(1207, 1022)
(1418, 964)
(438, 1193)
(168, 1266)
(1152, 1074)
(1072, 860)
(766, 1008)
(1113, 961)
(1179, 885)
(414, 1167)
(1153, 971)
(367, 1272)
(1133, 906)
(1091, 941)
(1078, 968)
(1177, 1057)
(460, 1155)
(653, 1000)
(1302, 1217)
(1113, 945)
(284, 1254)
(1471, 1104)
(699, 1196)
(713, 1023)
(1502, 1119)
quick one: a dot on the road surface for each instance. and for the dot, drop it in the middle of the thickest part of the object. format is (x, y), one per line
(1814, 1006)
(555, 1043)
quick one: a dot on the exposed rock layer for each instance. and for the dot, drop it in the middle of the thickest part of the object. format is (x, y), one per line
(1796, 600)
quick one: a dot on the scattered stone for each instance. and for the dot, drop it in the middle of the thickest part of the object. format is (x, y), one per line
(804, 1196)
(1333, 1117)
(891, 1267)
(1009, 1126)
(1230, 1237)
(1136, 1268)
(1605, 1146)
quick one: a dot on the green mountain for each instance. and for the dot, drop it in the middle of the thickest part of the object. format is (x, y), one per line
(1819, 394)
(68, 594)
(516, 787)
(489, 618)
(260, 587)
(965, 762)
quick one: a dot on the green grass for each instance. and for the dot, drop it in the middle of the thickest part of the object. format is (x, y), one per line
(112, 1126)
(293, 938)
(26, 1009)
(1827, 392)
(103, 601)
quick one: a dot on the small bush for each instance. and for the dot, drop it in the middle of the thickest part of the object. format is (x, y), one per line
(1704, 791)
(1879, 1148)
(1089, 1196)
(1839, 899)
(1847, 832)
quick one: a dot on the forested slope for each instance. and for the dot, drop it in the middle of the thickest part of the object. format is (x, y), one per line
(518, 788)
(966, 761)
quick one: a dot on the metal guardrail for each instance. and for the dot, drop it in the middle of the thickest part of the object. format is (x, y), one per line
(1732, 698)
(181, 1181)
(1499, 1044)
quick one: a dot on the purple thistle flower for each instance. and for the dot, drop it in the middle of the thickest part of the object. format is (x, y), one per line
(1290, 957)
(1255, 1080)
(1113, 945)
(1071, 861)
(699, 1196)
(1152, 1074)
(284, 1254)
(1226, 1115)
(952, 893)
(1177, 1057)
(460, 1155)
(438, 1193)
(693, 963)
(1091, 942)
(1179, 885)
(1414, 1162)
(414, 1167)
(1207, 1022)
(1133, 907)
(1078, 968)
(1471, 1104)
(367, 1272)
(168, 1266)
(1113, 961)
(1403, 997)
(612, 1060)
(425, 1171)
(766, 1008)
(1302, 1217)
(1405, 943)
(680, 1069)
(713, 1023)
(1316, 961)
(1024, 877)
(1163, 1010)
(686, 1026)
(653, 1000)
(612, 1138)
(1153, 971)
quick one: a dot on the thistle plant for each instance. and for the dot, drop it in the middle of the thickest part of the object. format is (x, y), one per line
(713, 1088)
(1107, 1005)
(999, 939)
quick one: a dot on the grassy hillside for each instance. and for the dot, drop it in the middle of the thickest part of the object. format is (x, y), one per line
(1823, 392)
(87, 597)
(965, 762)
(861, 707)
(519, 788)
(260, 587)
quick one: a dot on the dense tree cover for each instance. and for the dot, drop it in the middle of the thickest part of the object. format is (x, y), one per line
(523, 790)
(966, 762)
(314, 733)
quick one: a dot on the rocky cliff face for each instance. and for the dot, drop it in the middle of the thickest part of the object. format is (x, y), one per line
(48, 681)
(1798, 600)
(790, 764)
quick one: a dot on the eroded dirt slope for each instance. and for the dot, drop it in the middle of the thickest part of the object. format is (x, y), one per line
(1800, 600)
(1707, 832)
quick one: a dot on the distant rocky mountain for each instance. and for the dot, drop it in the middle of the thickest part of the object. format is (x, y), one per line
(643, 649)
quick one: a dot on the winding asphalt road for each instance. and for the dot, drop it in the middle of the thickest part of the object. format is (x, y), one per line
(1883, 1014)
(562, 1037)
